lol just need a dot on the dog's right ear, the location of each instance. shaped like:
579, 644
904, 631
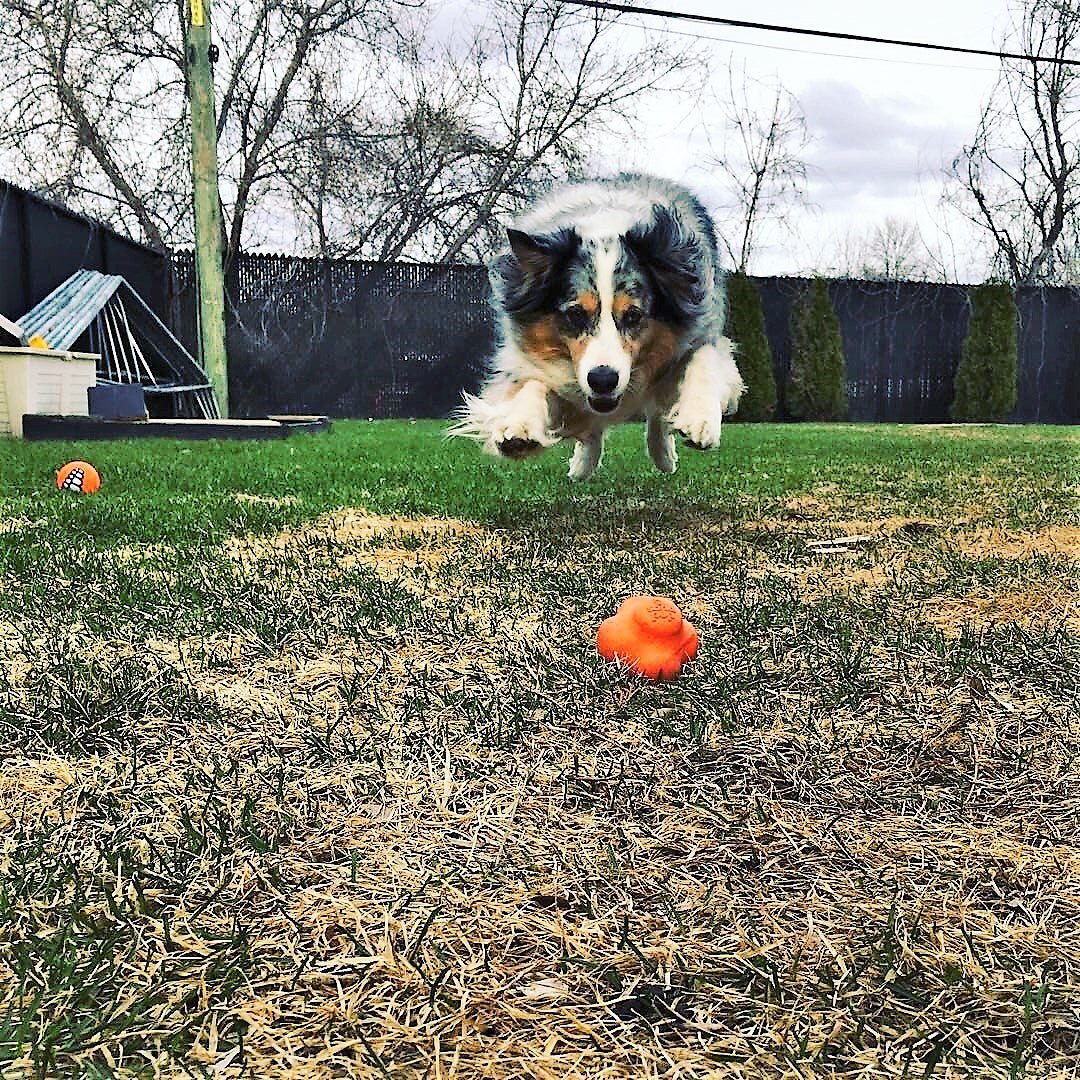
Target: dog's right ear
536, 255
525, 278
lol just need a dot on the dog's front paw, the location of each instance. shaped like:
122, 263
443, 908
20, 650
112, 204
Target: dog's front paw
518, 448
585, 459
663, 453
660, 444
517, 437
580, 470
513, 428
700, 428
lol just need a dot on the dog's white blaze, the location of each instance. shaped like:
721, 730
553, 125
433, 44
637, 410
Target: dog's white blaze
605, 347
606, 222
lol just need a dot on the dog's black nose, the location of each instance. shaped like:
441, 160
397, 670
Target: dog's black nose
603, 379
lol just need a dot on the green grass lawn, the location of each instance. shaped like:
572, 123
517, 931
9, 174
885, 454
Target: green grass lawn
310, 767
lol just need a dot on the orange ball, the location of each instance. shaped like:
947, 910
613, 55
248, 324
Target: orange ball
78, 476
650, 634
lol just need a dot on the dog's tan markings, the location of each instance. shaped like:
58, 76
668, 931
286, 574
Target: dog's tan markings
621, 303
577, 347
542, 341
590, 302
655, 350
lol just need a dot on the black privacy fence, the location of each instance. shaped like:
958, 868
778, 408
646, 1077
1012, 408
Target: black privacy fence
347, 338
367, 339
902, 343
42, 244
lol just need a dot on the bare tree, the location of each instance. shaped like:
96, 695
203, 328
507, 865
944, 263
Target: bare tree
338, 123
459, 138
101, 113
91, 103
761, 159
892, 250
1019, 179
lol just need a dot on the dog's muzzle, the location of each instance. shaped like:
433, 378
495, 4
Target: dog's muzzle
602, 381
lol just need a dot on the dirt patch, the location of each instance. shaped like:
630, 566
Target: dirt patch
813, 507
828, 527
356, 538
836, 545
883, 528
837, 576
1006, 544
345, 528
849, 580
1034, 609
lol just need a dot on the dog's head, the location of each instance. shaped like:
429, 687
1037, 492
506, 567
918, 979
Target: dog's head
605, 313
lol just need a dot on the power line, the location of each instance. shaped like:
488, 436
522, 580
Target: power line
815, 52
605, 5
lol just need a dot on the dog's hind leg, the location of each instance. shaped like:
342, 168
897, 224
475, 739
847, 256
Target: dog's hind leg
660, 443
586, 456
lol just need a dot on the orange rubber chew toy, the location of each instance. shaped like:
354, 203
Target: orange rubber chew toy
650, 634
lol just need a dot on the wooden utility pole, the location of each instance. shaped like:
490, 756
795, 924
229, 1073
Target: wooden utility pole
204, 175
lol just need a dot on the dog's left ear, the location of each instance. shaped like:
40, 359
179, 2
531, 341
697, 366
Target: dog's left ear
536, 255
672, 258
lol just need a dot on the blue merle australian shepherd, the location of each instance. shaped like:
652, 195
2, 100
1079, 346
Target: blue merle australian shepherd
610, 304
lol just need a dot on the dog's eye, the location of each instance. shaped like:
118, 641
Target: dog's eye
632, 318
576, 319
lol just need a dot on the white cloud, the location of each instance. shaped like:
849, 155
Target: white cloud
867, 148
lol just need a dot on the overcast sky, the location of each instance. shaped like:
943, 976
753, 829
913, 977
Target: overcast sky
883, 120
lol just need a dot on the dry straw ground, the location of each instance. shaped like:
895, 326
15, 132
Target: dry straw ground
414, 827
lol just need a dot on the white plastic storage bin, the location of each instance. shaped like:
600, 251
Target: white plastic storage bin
43, 381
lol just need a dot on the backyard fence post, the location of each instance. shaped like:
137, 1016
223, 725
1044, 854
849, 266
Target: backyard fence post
209, 276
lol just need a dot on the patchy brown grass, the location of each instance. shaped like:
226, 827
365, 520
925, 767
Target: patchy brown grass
593, 901
1039, 609
14, 525
1013, 544
463, 848
344, 528
356, 537
869, 556
264, 500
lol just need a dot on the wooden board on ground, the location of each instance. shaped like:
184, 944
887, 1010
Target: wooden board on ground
302, 422
39, 427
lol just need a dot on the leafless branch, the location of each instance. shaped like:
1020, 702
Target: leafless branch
1019, 178
760, 153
